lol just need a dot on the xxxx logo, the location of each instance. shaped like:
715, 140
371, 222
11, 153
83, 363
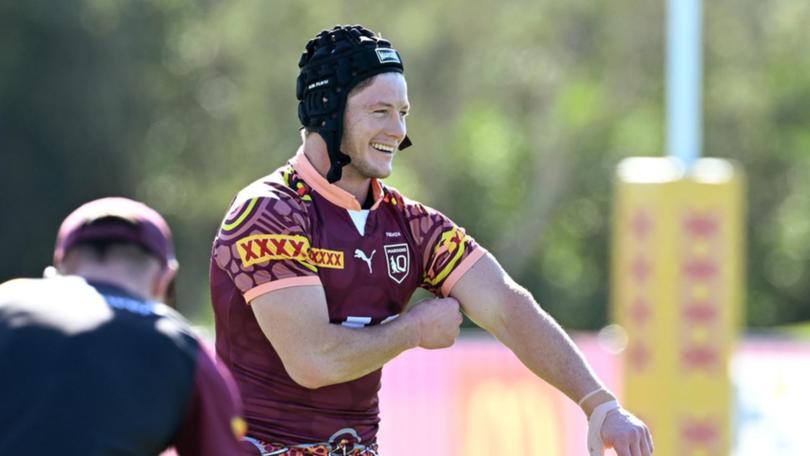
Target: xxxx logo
326, 258
264, 247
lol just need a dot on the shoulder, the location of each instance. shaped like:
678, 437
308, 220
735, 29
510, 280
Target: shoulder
14, 287
157, 327
15, 292
57, 289
279, 198
70, 302
282, 183
412, 210
431, 229
393, 198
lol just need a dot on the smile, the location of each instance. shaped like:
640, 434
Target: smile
383, 148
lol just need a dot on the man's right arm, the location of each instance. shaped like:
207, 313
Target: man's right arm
317, 353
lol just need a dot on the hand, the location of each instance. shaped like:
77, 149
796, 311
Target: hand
438, 321
626, 434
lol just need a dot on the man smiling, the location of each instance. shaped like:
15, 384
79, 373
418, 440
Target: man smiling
306, 312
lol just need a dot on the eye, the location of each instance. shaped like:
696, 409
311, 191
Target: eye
403, 113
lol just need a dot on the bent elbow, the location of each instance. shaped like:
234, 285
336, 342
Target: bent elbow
310, 377
308, 382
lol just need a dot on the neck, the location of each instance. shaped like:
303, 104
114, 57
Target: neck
357, 185
119, 275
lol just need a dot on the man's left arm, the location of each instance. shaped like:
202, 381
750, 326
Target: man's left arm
498, 304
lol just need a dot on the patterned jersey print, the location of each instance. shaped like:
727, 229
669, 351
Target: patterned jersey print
292, 228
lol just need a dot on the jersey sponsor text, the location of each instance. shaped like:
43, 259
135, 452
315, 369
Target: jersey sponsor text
325, 258
259, 248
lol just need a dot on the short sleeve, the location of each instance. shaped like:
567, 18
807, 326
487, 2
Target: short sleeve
447, 250
264, 245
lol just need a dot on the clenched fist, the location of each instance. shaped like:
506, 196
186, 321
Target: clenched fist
438, 321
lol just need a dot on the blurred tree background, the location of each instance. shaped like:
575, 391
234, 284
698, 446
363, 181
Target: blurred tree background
521, 111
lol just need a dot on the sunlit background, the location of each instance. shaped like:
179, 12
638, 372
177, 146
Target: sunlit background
521, 113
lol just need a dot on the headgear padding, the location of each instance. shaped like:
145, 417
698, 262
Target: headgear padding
334, 62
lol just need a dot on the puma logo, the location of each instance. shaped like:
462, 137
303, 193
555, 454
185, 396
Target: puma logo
362, 255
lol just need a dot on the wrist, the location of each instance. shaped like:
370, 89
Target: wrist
593, 400
596, 419
412, 329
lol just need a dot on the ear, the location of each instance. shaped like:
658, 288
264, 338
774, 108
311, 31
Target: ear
163, 282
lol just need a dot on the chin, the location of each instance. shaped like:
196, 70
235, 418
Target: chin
383, 173
376, 170
376, 175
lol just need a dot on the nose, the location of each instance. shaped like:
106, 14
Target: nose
396, 128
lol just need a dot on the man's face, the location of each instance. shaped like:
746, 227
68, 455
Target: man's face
374, 125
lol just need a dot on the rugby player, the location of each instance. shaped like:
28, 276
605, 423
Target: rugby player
314, 264
92, 364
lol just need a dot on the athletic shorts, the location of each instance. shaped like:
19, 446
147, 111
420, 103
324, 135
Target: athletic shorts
257, 447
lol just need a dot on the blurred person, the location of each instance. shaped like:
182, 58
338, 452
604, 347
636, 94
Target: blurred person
314, 264
91, 363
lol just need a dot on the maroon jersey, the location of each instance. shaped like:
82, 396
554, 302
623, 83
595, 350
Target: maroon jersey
293, 228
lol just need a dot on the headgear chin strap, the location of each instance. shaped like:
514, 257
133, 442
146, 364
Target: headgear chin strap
336, 61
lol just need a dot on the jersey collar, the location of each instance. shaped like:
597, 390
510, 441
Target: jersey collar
332, 192
107, 288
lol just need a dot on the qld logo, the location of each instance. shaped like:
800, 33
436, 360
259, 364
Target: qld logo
398, 258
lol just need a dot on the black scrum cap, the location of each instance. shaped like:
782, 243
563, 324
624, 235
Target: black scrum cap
334, 62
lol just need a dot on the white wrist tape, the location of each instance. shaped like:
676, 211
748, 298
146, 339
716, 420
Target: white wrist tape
595, 444
589, 395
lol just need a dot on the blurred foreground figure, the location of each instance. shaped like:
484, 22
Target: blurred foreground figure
314, 264
92, 364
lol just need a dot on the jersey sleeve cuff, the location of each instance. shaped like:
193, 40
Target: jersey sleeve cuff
264, 288
461, 269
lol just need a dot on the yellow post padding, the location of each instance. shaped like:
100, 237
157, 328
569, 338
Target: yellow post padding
677, 268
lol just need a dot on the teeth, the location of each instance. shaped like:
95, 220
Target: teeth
382, 147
